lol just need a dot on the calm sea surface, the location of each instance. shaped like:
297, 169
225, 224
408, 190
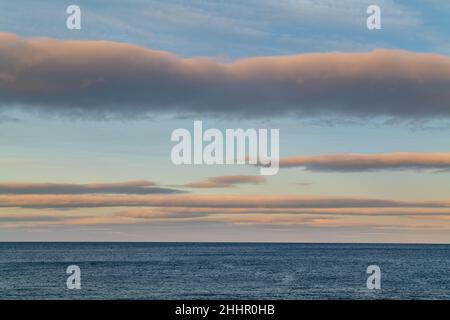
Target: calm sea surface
223, 271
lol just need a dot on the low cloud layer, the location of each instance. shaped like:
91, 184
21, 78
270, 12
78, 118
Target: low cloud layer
94, 79
370, 162
172, 211
130, 187
226, 181
208, 201
153, 212
397, 218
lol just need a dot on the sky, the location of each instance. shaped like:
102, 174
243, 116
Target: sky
86, 118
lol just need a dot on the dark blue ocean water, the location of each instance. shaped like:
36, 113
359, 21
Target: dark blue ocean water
223, 271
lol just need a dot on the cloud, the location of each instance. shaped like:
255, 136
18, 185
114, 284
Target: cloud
354, 162
15, 218
347, 13
92, 79
207, 201
157, 217
130, 187
194, 212
286, 220
97, 220
304, 184
160, 213
434, 217
270, 216
6, 119
226, 181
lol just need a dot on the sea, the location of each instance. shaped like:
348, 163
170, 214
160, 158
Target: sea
287, 271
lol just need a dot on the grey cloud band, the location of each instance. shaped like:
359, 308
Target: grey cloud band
91, 79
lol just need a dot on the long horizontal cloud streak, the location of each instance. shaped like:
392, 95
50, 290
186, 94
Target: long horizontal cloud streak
370, 162
144, 213
226, 181
202, 201
160, 216
130, 187
99, 78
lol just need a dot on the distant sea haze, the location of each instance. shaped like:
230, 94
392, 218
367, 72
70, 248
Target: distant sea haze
223, 271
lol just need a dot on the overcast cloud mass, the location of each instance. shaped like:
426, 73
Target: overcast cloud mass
93, 79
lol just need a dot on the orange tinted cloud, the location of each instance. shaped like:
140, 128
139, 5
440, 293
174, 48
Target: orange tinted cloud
97, 78
157, 212
226, 181
397, 217
202, 201
369, 162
